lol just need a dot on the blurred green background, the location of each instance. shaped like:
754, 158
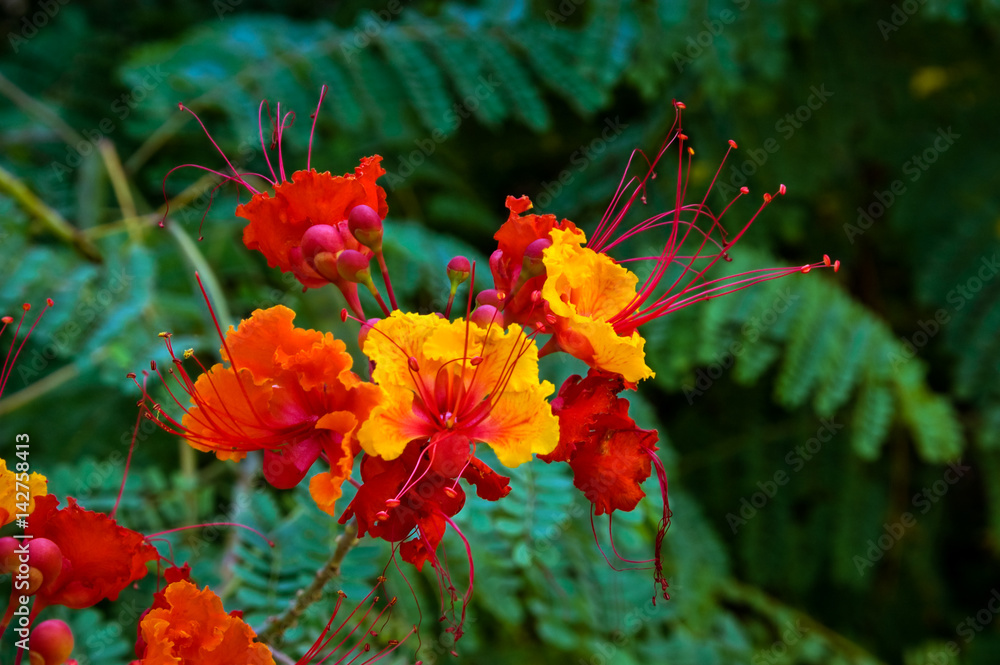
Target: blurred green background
816, 517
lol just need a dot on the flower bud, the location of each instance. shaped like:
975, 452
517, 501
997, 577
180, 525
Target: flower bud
532, 265
45, 560
366, 225
484, 315
488, 297
352, 265
51, 643
325, 263
321, 238
459, 269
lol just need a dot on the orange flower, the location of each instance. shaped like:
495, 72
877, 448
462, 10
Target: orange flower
278, 223
285, 390
10, 504
441, 379
304, 225
194, 629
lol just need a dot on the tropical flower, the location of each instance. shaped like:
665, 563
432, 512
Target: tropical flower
188, 626
13, 487
310, 218
99, 557
592, 304
609, 454
453, 383
282, 389
192, 628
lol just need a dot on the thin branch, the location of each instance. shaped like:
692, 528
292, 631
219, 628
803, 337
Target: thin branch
50, 218
275, 628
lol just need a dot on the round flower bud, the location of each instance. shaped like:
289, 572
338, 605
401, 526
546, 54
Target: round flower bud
321, 238
51, 643
459, 269
484, 315
488, 297
366, 225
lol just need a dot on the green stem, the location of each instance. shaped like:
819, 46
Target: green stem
50, 219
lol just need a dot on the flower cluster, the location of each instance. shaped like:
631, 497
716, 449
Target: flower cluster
442, 387
441, 397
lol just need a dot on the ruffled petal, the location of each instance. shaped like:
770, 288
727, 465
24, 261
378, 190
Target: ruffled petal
584, 290
103, 558
277, 223
194, 629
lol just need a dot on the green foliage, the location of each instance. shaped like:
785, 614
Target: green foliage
469, 103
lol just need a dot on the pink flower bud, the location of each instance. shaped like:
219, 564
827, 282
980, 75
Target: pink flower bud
484, 315
366, 225
51, 643
459, 269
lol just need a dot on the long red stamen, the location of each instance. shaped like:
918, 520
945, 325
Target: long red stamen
11, 357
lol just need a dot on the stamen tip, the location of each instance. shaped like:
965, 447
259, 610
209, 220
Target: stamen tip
836, 266
782, 189
732, 144
744, 190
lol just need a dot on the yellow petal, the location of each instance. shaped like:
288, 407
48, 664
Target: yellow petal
9, 500
584, 289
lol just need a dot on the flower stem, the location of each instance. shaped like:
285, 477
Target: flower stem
276, 627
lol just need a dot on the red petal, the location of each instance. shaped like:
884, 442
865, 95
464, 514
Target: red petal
612, 464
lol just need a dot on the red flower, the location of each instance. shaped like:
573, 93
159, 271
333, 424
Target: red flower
420, 493
100, 558
610, 455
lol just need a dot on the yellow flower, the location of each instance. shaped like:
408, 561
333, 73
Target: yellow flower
584, 289
10, 503
442, 378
